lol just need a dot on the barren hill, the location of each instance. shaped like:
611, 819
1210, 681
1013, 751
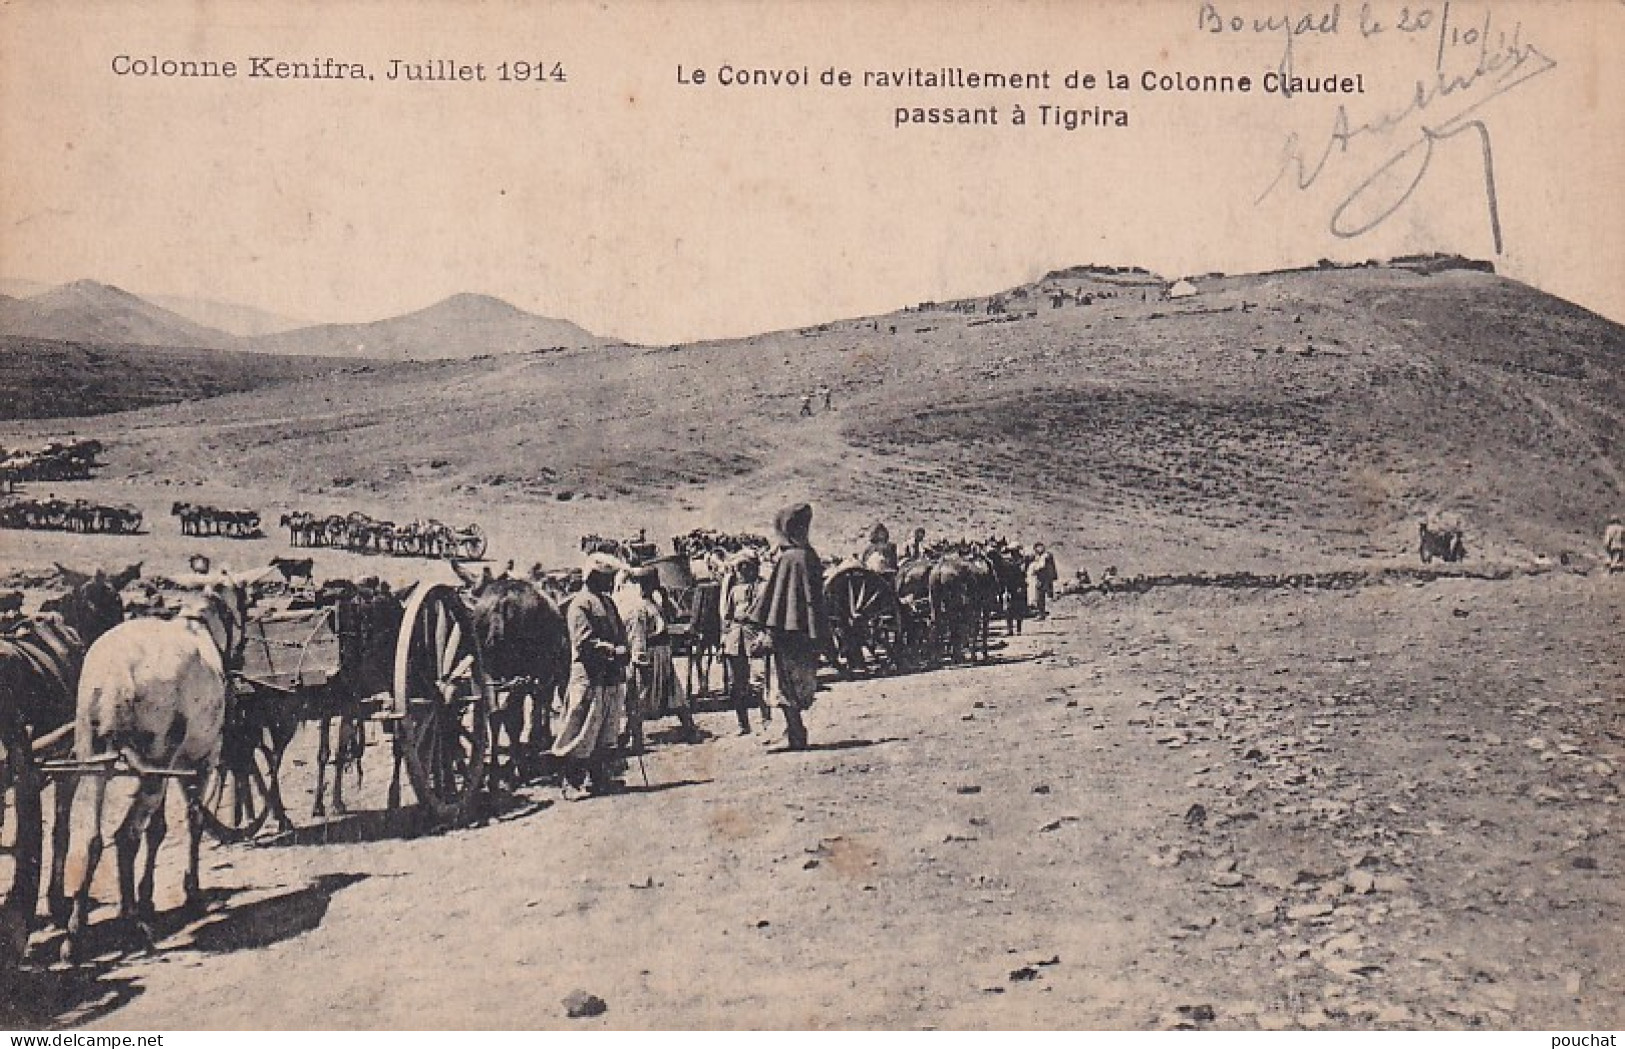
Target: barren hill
45, 379
1306, 417
88, 312
461, 326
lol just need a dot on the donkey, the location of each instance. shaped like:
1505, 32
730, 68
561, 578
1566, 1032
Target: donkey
153, 693
526, 647
40, 662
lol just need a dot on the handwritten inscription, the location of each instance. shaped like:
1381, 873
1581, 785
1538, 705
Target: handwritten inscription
1383, 157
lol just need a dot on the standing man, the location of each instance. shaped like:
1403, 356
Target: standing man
806, 405
881, 553
595, 699
825, 392
1613, 541
741, 641
916, 546
1041, 576
791, 608
653, 689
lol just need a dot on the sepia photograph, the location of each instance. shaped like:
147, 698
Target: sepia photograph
812, 515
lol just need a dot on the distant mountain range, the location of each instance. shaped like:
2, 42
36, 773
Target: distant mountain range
461, 326
89, 313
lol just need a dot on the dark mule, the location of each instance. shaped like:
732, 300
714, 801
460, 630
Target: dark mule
1010, 592
40, 661
526, 647
368, 621
959, 593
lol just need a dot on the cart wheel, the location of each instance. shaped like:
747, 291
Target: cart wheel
243, 790
26, 835
867, 619
441, 687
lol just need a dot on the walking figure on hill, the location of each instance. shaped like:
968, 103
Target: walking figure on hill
1613, 541
806, 404
791, 608
826, 393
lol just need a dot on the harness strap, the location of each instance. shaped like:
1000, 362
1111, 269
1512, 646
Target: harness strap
48, 650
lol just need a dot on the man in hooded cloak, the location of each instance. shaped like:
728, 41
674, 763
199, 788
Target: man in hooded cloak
790, 607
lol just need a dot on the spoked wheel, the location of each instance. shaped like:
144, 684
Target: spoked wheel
446, 702
866, 618
243, 790
22, 841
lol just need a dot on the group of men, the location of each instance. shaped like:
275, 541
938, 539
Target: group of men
621, 672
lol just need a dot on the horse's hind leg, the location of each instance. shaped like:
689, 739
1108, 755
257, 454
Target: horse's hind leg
193, 789
157, 827
79, 914
143, 813
56, 894
349, 752
17, 915
324, 754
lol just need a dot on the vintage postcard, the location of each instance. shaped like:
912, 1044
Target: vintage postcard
842, 515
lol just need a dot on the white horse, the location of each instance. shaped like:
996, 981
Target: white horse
153, 696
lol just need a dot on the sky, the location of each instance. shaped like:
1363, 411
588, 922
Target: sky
644, 205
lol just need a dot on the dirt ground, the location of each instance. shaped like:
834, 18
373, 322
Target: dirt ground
1392, 806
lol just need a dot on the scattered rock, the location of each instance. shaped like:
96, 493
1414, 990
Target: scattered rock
1228, 880
1305, 911
1362, 882
1394, 1014
1196, 815
580, 1004
1026, 972
968, 789
1584, 863
1200, 1013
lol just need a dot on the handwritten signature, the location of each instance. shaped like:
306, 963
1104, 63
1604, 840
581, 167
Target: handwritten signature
1444, 105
